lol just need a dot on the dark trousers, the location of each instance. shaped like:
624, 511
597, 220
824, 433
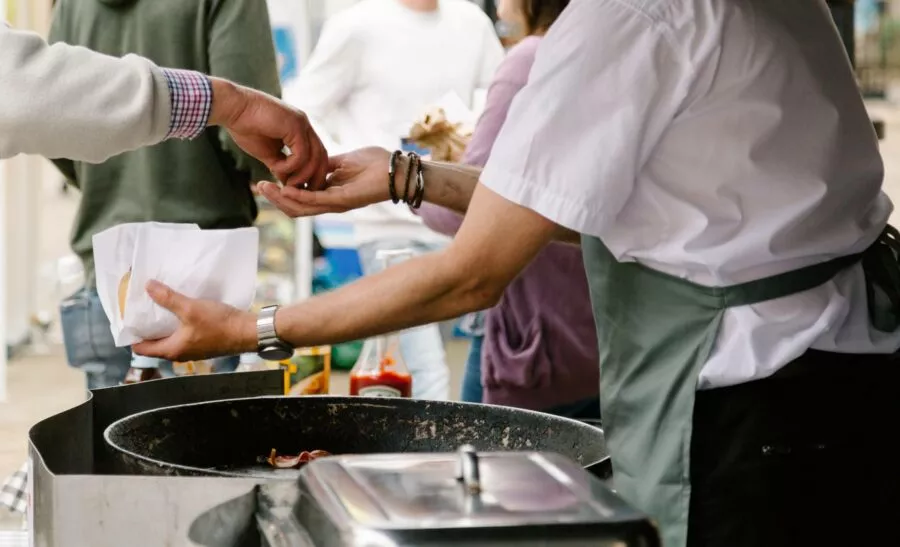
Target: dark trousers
810, 456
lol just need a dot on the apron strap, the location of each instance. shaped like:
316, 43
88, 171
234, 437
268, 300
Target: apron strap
880, 263
787, 283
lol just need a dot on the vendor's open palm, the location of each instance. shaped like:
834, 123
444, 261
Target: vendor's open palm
356, 179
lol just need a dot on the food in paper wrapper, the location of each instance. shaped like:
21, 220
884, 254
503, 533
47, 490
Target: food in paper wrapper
123, 292
446, 140
215, 265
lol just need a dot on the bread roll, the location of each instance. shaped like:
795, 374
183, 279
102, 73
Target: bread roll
123, 291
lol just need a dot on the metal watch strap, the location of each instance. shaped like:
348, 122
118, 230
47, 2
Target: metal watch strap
265, 328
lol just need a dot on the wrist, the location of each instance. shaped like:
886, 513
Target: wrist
406, 180
244, 331
228, 103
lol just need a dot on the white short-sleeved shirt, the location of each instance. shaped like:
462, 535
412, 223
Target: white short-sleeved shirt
720, 141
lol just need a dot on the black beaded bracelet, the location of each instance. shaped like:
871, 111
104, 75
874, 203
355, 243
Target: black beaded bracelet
392, 174
420, 187
413, 160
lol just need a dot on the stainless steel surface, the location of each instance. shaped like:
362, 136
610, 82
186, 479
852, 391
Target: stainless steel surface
469, 474
388, 500
392, 491
278, 524
228, 437
73, 501
526, 499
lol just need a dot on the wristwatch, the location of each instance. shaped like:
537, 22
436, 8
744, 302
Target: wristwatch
269, 346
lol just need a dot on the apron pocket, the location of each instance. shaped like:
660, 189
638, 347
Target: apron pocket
520, 358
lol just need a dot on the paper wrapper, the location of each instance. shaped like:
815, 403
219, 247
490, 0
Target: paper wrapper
446, 140
209, 264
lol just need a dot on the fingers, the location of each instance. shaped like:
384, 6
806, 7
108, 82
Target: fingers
307, 163
164, 296
319, 179
305, 168
161, 349
283, 166
297, 208
335, 162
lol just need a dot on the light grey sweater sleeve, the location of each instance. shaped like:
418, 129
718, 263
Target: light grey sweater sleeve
62, 101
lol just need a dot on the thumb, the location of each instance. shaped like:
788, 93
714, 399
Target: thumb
334, 162
166, 297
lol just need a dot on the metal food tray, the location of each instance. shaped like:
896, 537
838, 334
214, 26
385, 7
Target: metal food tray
75, 501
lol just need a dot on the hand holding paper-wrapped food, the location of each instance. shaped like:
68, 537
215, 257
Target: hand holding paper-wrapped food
447, 141
218, 265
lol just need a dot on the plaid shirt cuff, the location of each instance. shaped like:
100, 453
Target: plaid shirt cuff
191, 95
14, 492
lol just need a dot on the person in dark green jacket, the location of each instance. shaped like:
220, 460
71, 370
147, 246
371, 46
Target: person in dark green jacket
205, 181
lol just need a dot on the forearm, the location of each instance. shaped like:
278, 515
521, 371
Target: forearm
452, 185
449, 185
398, 298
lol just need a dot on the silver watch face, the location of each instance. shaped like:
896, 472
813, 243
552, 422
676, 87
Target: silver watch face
276, 352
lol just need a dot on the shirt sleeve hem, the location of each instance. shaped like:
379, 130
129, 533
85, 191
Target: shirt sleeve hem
577, 215
162, 114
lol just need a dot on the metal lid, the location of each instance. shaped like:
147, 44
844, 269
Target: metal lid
465, 490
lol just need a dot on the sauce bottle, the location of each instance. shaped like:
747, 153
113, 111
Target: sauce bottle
380, 370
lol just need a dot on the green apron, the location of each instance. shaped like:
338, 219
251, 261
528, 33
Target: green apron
655, 332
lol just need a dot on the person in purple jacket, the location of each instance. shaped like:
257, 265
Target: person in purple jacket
538, 346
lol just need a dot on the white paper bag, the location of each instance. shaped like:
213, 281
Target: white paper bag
209, 264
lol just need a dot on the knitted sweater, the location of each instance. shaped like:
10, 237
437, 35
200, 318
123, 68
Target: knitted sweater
62, 101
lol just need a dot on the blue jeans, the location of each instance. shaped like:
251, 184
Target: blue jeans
422, 347
472, 391
91, 348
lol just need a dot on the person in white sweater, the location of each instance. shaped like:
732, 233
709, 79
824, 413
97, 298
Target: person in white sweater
62, 101
377, 67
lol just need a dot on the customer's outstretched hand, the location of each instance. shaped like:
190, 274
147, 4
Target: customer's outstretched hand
264, 127
356, 179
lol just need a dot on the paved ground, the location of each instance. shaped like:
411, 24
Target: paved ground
41, 385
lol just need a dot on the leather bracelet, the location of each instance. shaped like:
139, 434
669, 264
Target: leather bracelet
392, 174
413, 160
420, 186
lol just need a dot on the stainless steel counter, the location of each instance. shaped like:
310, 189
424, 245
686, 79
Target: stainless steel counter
74, 502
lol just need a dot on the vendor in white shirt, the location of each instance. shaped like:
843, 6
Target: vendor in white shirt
718, 164
378, 66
